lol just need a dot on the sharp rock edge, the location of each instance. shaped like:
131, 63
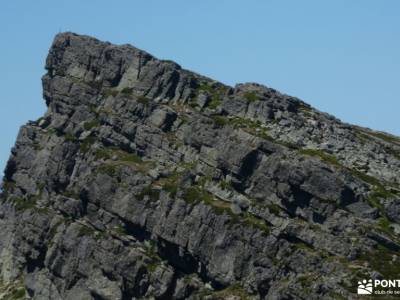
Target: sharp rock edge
145, 180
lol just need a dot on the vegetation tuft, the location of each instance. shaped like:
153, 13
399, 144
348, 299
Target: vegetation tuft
153, 194
86, 144
330, 159
216, 93
91, 124
250, 96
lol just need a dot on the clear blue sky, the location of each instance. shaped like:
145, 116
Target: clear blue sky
341, 56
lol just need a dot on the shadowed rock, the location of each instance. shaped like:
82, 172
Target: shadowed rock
145, 180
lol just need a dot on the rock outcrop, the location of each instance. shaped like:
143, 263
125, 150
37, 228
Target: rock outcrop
147, 181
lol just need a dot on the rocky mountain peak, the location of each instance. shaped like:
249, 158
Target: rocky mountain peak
144, 180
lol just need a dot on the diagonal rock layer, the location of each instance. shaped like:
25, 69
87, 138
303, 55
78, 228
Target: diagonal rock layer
147, 181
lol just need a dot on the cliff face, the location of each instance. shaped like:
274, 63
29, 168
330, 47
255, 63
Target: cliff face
144, 180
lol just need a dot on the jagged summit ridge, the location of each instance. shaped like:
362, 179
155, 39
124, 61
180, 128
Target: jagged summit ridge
145, 180
125, 68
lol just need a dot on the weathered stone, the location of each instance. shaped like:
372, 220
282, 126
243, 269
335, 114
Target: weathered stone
127, 189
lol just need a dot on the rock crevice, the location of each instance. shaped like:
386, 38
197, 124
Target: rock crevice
147, 181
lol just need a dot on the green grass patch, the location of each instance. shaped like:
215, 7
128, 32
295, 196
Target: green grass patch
216, 93
373, 200
168, 61
120, 230
22, 204
18, 294
379, 190
8, 187
302, 246
328, 158
395, 153
86, 144
129, 157
127, 91
102, 154
195, 194
381, 260
109, 169
214, 103
255, 222
12, 291
220, 120
384, 225
253, 127
70, 138
51, 131
170, 184
306, 280
203, 180
111, 92
264, 135
250, 96
385, 137
122, 158
238, 122
366, 178
274, 209
54, 229
28, 202
288, 145
226, 185
152, 266
305, 110
171, 187
71, 194
337, 296
234, 290
91, 124
151, 253
85, 231
95, 84
153, 194
188, 165
143, 100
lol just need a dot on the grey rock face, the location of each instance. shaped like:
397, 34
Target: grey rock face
146, 181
